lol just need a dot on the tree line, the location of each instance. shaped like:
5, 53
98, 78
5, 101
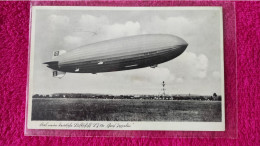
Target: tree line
214, 97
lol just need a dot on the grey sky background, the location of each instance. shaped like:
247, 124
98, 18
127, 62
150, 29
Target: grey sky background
196, 71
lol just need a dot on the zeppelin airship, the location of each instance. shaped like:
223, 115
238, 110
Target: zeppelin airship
119, 54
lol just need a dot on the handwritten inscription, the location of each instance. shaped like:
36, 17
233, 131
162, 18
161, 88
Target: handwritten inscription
83, 125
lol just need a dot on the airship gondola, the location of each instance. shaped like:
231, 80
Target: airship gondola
118, 54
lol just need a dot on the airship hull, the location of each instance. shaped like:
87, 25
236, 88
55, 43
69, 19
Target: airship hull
120, 54
124, 63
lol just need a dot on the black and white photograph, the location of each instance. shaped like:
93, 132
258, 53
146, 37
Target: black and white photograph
126, 68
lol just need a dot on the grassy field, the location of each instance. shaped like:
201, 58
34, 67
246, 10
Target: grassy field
71, 109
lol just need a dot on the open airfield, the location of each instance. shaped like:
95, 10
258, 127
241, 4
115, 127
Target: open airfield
82, 109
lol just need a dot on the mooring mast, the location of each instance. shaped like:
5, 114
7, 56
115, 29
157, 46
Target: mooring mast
163, 89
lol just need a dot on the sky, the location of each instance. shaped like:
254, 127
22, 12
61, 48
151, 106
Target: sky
196, 71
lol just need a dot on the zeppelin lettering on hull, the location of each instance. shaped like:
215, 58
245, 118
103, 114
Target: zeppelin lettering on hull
118, 54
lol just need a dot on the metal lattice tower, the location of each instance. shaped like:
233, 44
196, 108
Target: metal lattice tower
163, 89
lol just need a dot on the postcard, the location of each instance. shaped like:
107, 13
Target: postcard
126, 68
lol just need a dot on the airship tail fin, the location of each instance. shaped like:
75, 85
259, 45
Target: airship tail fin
58, 74
58, 53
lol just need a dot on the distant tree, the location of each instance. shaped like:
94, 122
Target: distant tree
215, 96
36, 96
219, 98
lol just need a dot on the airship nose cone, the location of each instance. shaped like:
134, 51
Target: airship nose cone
177, 41
184, 43
181, 44
182, 47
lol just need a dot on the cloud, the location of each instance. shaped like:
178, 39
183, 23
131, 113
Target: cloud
138, 77
171, 25
119, 30
106, 29
93, 23
149, 75
57, 22
179, 80
202, 34
92, 29
72, 40
189, 66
